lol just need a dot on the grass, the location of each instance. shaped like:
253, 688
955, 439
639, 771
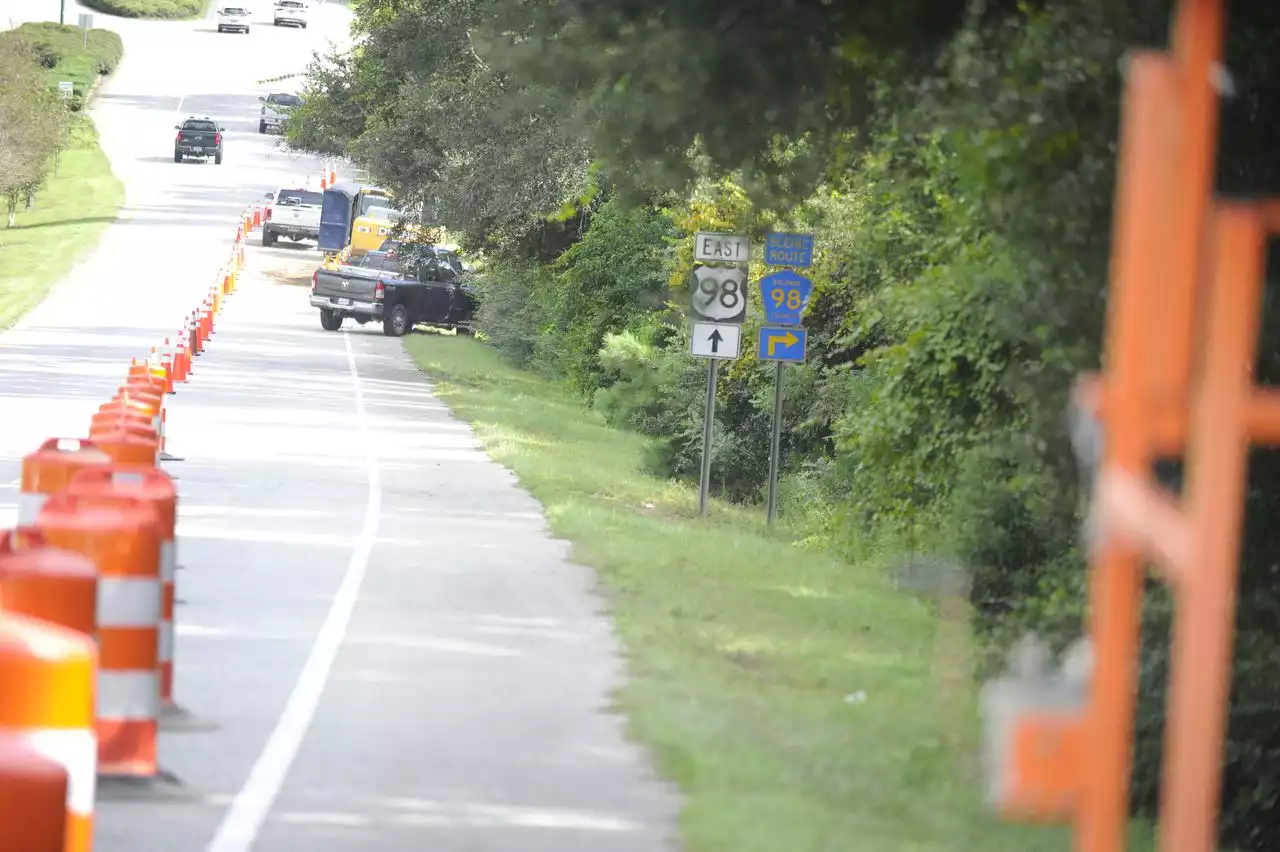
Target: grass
797, 700
62, 49
70, 215
164, 9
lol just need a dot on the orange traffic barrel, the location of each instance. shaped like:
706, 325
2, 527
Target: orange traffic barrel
48, 470
47, 700
136, 400
133, 421
121, 534
156, 488
143, 392
142, 371
33, 797
126, 446
140, 384
142, 404
58, 586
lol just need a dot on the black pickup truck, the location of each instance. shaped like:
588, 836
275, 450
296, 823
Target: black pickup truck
198, 137
400, 294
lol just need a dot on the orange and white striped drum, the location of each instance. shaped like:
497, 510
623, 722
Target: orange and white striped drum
40, 581
47, 700
48, 470
156, 488
121, 534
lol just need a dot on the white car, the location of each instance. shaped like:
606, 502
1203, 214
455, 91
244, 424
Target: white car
291, 12
233, 19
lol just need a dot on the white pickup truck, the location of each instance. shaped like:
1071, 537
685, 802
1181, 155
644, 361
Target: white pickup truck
292, 213
275, 108
291, 12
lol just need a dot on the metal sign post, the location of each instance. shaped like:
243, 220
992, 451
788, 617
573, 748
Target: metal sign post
785, 295
86, 24
719, 307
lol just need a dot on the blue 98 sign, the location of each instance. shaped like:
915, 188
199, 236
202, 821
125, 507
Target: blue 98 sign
785, 295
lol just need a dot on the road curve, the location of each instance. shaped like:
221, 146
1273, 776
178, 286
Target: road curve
384, 647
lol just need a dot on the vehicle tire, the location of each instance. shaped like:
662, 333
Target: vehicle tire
262, 127
268, 238
304, 25
397, 322
221, 30
330, 320
217, 159
362, 320
275, 23
177, 156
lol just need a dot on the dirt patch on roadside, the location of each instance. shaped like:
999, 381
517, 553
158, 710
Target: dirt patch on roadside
292, 277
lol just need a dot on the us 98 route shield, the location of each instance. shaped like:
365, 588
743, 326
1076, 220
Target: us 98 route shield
719, 294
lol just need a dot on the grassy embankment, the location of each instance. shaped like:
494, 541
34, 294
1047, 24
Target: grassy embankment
800, 702
74, 207
163, 9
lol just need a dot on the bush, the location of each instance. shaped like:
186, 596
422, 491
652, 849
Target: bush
61, 49
164, 9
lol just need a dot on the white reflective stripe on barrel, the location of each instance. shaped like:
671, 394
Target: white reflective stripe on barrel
75, 750
128, 695
128, 602
29, 506
168, 560
166, 641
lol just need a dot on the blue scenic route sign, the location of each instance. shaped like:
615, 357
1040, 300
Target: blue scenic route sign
794, 250
782, 344
785, 295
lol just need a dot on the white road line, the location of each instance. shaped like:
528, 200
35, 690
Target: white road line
243, 820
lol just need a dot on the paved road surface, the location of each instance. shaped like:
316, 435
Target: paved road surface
395, 654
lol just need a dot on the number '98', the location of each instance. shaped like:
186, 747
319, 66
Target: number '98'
727, 291
785, 294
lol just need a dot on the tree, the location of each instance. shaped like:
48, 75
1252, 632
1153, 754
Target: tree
33, 121
420, 103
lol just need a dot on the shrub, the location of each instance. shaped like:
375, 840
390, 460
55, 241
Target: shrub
164, 9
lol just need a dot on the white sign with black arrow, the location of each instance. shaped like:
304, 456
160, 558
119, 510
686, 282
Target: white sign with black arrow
715, 340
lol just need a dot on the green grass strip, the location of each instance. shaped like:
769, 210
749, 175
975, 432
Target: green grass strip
68, 219
797, 700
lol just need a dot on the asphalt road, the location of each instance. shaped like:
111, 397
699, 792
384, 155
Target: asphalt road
389, 650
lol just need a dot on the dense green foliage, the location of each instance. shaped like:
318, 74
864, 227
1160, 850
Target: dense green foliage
164, 9
958, 178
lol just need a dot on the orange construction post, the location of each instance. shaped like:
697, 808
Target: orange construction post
1186, 293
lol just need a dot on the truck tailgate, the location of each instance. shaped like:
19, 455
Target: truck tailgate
347, 283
